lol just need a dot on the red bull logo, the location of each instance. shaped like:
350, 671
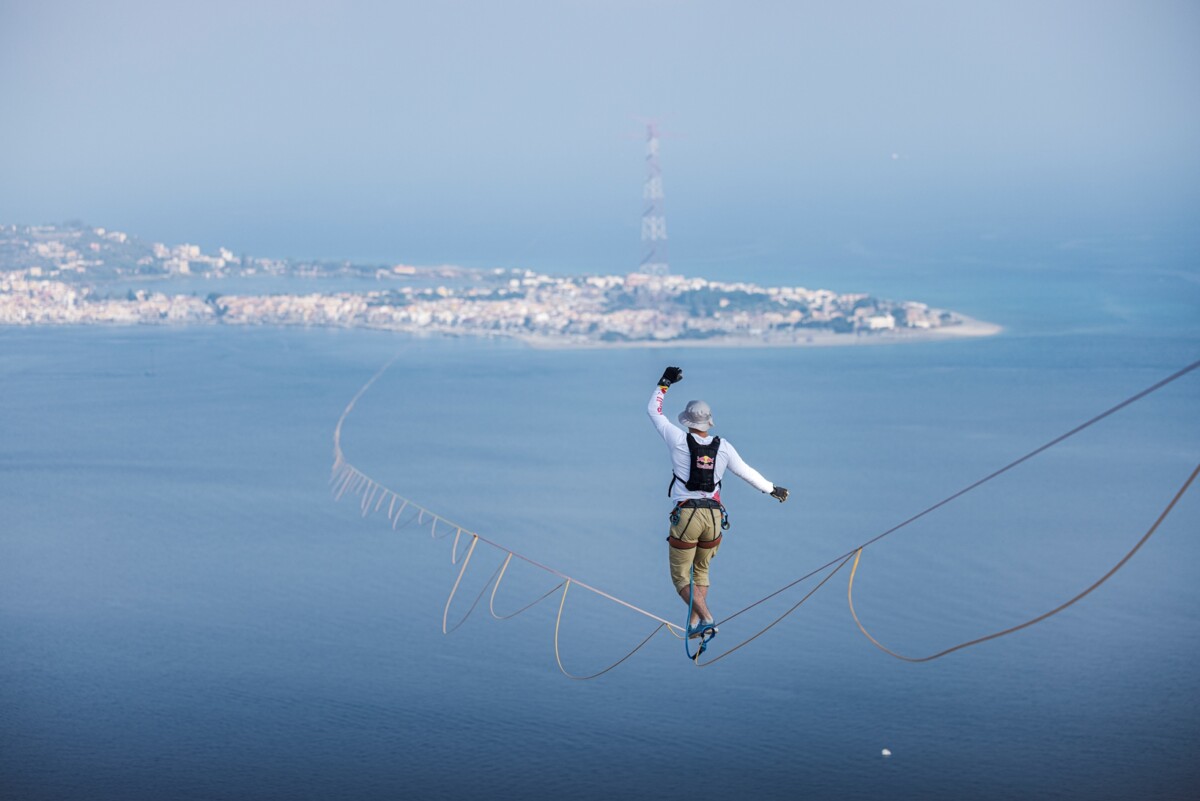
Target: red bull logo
705, 462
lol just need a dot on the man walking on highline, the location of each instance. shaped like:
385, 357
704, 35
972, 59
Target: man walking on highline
698, 462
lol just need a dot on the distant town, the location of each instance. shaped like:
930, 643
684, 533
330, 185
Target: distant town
74, 274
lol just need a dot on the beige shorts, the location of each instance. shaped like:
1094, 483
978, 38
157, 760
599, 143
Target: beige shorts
693, 543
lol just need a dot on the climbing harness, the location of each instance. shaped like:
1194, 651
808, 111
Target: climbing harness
345, 479
712, 504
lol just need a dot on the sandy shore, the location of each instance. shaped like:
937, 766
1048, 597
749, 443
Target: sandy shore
967, 329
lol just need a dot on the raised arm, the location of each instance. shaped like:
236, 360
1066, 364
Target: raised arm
670, 376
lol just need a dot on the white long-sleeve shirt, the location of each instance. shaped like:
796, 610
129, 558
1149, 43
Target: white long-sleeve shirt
677, 447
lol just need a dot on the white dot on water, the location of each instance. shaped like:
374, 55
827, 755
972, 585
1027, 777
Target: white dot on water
886, 752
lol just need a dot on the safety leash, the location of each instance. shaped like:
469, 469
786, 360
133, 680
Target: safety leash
706, 635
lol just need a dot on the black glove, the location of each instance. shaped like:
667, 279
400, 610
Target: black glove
670, 376
779, 493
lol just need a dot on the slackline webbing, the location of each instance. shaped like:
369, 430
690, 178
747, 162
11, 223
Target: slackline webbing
348, 479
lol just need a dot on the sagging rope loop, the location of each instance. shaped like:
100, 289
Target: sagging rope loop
1004, 632
346, 478
777, 620
558, 656
496, 588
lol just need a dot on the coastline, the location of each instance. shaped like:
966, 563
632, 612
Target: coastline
969, 328
66, 277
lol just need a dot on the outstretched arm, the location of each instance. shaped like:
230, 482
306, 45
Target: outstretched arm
752, 477
745, 472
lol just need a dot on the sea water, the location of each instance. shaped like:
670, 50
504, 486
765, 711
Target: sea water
186, 613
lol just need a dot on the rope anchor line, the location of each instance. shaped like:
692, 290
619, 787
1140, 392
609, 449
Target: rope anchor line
345, 478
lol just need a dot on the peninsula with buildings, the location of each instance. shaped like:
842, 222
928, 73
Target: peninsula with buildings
74, 274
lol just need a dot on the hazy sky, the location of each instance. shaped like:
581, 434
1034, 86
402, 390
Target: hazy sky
508, 133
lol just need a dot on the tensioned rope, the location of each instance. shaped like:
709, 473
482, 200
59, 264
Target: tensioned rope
346, 478
1031, 621
842, 559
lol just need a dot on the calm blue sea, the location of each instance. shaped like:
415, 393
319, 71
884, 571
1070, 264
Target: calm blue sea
185, 613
